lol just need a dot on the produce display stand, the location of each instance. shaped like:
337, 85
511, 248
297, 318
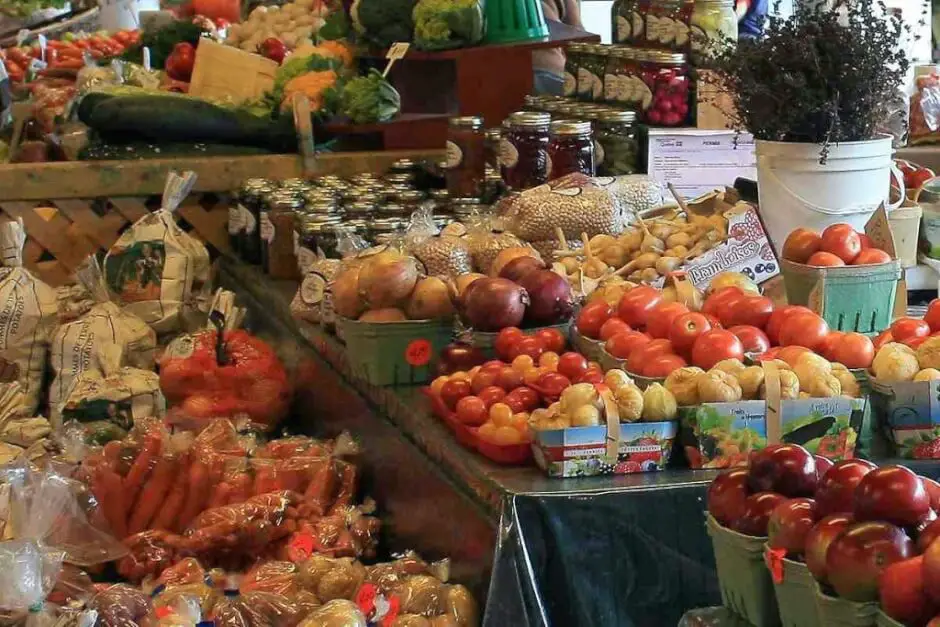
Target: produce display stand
624, 550
74, 209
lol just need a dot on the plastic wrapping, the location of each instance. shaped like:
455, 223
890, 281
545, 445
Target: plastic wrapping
259, 609
120, 605
925, 110
276, 577
149, 553
27, 575
338, 613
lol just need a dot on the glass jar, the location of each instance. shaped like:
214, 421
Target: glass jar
466, 156
360, 209
382, 230
403, 165
464, 208
254, 204
318, 238
393, 209
615, 143
591, 73
714, 27
667, 24
627, 22
571, 148
277, 234
573, 56
617, 65
238, 212
665, 88
523, 151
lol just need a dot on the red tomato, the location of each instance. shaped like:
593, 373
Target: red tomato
453, 391
803, 329
752, 339
471, 410
800, 245
644, 354
484, 379
635, 306
905, 328
592, 376
685, 330
842, 241
528, 345
492, 395
769, 355
791, 354
660, 320
714, 346
865, 241
552, 339
572, 364
776, 321
663, 365
824, 259
914, 342
754, 311
854, 350
218, 9
612, 327
506, 339
871, 256
932, 317
509, 379
529, 398
882, 338
622, 344
592, 317
715, 301
827, 347
712, 320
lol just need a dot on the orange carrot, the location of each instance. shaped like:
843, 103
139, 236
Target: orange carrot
142, 466
169, 513
197, 494
153, 495
241, 488
266, 480
110, 495
220, 495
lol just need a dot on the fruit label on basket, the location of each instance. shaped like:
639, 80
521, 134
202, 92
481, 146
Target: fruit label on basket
418, 353
267, 228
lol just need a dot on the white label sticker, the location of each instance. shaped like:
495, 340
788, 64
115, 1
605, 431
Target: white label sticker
306, 258
267, 228
508, 155
571, 85
250, 224
236, 220
453, 155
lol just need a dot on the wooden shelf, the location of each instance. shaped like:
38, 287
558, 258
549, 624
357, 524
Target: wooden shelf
409, 131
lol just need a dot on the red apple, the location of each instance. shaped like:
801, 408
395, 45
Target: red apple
785, 468
932, 571
856, 559
823, 464
927, 535
756, 515
835, 492
933, 492
902, 594
726, 496
893, 494
818, 540
789, 524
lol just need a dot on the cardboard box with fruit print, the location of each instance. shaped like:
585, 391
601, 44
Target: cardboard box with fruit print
909, 414
721, 435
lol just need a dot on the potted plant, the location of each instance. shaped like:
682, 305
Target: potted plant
814, 92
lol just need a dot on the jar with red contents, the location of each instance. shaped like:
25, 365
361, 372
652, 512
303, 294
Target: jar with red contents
668, 24
664, 88
571, 148
466, 156
523, 150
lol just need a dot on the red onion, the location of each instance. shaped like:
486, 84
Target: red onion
519, 267
494, 304
550, 299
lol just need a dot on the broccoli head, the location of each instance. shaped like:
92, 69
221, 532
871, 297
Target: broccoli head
447, 23
383, 22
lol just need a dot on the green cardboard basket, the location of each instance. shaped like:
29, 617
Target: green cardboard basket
853, 298
796, 596
395, 353
746, 587
883, 620
834, 612
592, 349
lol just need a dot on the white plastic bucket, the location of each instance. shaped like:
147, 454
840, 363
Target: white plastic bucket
119, 14
796, 190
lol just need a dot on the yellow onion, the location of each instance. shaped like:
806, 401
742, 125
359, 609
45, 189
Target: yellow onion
459, 285
345, 288
430, 300
387, 279
388, 314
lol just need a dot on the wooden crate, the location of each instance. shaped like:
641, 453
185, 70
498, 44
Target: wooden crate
72, 210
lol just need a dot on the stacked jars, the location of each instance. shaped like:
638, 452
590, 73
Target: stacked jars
665, 88
714, 28
466, 157
571, 149
523, 150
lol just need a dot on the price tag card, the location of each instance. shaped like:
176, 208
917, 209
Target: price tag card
699, 161
397, 50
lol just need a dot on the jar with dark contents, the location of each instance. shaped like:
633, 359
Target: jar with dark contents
237, 209
383, 230
465, 208
318, 238
440, 198
591, 73
665, 88
494, 137
571, 148
258, 205
466, 156
277, 234
668, 24
574, 56
523, 151
615, 143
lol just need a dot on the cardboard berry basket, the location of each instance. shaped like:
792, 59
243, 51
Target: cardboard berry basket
837, 612
743, 578
486, 341
883, 620
908, 413
609, 362
592, 349
395, 353
794, 588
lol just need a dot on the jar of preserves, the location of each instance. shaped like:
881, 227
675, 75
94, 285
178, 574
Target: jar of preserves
714, 28
573, 56
254, 204
277, 234
395, 209
239, 212
466, 156
403, 165
591, 73
493, 138
382, 230
360, 209
617, 62
440, 198
615, 143
667, 24
625, 14
665, 89
318, 238
523, 151
465, 208
571, 148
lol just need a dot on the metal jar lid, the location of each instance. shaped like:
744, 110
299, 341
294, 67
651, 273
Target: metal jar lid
571, 127
321, 193
617, 117
317, 223
361, 208
662, 56
529, 120
387, 224
577, 47
403, 165
494, 134
411, 197
322, 207
294, 184
439, 195
599, 49
358, 225
392, 209
466, 121
286, 200
400, 178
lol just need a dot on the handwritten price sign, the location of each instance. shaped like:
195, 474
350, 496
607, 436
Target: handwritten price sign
418, 353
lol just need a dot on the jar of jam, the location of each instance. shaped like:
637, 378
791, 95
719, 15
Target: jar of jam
392, 209
494, 137
277, 234
615, 143
237, 211
440, 198
523, 151
665, 88
574, 54
714, 28
318, 239
465, 208
621, 20
466, 156
667, 24
399, 178
254, 204
571, 148
591, 73
360, 209
382, 230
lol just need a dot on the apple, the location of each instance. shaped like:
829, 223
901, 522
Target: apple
835, 492
789, 524
818, 540
933, 492
927, 534
893, 494
756, 515
785, 468
726, 496
902, 594
932, 571
823, 464
857, 557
